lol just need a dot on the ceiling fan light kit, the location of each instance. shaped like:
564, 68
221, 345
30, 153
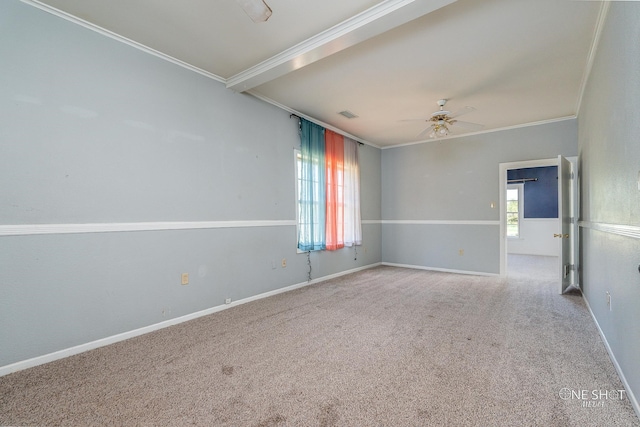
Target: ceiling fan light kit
258, 10
439, 130
442, 120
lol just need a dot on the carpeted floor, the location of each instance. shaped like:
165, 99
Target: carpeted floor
382, 347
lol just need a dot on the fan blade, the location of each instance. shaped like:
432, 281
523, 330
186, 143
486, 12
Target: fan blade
465, 110
467, 125
424, 132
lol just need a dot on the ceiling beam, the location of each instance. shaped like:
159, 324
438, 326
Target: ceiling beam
370, 23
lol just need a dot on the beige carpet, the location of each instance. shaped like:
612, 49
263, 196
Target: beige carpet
383, 347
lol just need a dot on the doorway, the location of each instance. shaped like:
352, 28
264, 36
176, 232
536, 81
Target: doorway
542, 233
532, 211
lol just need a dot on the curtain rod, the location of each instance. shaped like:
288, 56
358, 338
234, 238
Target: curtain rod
292, 115
510, 181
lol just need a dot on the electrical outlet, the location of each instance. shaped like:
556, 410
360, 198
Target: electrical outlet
609, 300
273, 265
461, 252
227, 301
284, 263
185, 279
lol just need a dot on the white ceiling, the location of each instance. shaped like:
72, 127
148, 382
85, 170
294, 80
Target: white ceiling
516, 61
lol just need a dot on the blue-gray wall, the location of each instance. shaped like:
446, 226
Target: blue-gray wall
437, 196
96, 131
609, 161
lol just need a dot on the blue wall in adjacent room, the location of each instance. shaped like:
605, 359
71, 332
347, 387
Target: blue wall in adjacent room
541, 196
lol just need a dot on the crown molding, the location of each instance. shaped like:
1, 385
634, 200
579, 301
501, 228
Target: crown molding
309, 118
112, 35
365, 18
374, 21
146, 49
524, 125
602, 16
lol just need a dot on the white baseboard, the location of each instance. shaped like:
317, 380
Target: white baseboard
444, 270
60, 354
630, 395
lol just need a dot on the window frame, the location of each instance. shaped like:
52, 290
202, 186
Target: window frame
520, 189
297, 160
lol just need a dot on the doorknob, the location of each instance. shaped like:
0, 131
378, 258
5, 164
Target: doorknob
566, 236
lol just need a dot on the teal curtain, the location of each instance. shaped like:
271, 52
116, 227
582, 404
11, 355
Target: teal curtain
311, 223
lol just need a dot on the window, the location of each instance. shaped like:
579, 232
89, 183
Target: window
311, 226
334, 145
304, 227
311, 188
352, 220
327, 190
514, 209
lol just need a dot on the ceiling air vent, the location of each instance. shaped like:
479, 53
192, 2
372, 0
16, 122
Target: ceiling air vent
348, 114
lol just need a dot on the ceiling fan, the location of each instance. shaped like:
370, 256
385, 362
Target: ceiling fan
258, 10
442, 121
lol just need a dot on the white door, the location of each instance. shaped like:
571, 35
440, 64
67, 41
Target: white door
564, 222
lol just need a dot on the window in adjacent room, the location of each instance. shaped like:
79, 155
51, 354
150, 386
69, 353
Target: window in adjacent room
514, 209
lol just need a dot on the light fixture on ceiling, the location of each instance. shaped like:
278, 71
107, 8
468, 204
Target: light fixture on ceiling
258, 10
442, 121
439, 129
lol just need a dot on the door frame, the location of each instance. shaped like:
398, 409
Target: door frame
503, 168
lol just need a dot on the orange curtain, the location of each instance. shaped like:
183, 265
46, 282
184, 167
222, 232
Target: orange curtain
334, 161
